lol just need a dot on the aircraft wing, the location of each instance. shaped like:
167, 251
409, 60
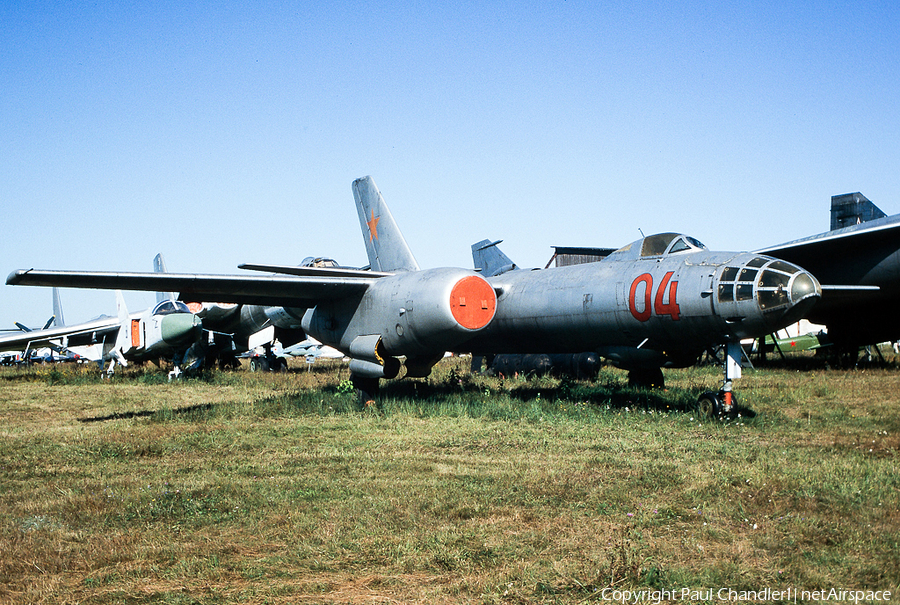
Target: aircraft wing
87, 333
818, 252
315, 271
296, 291
858, 269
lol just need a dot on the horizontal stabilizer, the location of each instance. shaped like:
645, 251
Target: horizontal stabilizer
314, 271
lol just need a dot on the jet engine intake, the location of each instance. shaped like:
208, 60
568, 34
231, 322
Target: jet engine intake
418, 315
473, 302
370, 360
368, 369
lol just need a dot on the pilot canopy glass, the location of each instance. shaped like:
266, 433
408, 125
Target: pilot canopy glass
771, 280
167, 307
669, 243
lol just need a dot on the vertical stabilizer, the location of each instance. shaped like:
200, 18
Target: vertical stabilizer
852, 209
124, 336
121, 309
385, 245
490, 260
57, 310
159, 266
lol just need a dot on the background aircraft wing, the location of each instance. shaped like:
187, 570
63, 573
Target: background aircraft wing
261, 290
818, 253
859, 269
87, 333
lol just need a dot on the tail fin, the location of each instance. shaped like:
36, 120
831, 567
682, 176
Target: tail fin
121, 309
490, 260
57, 309
385, 245
159, 266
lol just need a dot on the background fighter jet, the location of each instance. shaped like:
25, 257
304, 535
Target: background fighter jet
167, 330
57, 352
239, 328
656, 302
859, 269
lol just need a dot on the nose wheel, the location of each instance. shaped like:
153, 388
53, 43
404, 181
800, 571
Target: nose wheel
714, 405
718, 404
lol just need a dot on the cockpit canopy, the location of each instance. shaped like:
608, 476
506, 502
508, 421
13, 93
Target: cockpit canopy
320, 261
167, 307
661, 244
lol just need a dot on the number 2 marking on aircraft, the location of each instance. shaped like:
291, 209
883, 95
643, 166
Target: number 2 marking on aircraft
669, 308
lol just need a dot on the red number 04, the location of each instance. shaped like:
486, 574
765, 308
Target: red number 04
659, 307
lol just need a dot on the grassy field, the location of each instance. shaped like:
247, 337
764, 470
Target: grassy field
240, 488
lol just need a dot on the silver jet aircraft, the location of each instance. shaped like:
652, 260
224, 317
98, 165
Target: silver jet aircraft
655, 303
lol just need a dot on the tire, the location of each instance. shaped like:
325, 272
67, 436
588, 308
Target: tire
709, 406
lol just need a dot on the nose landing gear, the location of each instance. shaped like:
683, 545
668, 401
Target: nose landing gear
718, 404
715, 405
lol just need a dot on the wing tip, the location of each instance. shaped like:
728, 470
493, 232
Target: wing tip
15, 278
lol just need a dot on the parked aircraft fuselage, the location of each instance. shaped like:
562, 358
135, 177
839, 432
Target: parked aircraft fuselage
639, 311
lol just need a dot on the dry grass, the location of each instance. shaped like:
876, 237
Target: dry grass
276, 489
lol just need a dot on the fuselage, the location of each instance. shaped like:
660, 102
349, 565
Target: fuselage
658, 302
678, 304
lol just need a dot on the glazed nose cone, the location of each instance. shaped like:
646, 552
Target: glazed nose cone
805, 291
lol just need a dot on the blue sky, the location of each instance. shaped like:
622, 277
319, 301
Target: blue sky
219, 133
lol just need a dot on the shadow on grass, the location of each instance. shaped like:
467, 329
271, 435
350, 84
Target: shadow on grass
610, 395
459, 392
193, 409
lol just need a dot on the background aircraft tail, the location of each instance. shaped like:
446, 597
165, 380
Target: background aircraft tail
123, 337
490, 260
57, 309
159, 266
385, 245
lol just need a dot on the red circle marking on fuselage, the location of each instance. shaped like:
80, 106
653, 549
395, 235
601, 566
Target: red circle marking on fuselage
473, 302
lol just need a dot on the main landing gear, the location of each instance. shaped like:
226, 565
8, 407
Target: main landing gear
366, 389
721, 403
268, 361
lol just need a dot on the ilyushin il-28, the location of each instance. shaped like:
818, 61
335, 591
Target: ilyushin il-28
658, 302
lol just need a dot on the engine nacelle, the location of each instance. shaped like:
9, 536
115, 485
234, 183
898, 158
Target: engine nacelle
418, 315
257, 317
213, 313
